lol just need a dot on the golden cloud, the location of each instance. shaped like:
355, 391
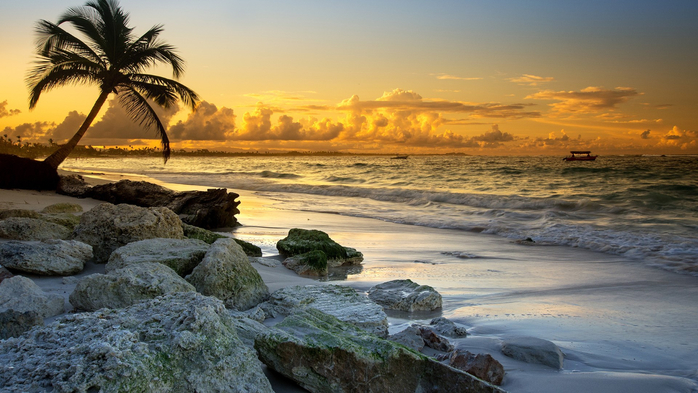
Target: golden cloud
588, 100
452, 77
4, 112
531, 80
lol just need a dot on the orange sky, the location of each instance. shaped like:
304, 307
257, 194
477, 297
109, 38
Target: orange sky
394, 76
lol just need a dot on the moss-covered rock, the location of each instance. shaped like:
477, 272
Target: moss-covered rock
18, 213
324, 354
299, 241
67, 220
312, 263
63, 208
194, 232
250, 249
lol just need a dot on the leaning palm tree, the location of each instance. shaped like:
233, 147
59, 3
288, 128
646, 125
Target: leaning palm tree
112, 58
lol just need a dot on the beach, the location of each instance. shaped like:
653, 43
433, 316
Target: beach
622, 326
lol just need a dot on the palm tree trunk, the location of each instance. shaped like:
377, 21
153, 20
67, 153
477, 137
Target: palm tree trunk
55, 159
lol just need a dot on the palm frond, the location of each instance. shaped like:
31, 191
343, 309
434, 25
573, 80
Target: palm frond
148, 54
187, 95
52, 37
138, 108
58, 77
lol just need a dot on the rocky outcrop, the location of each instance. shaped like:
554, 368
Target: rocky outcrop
18, 213
62, 208
339, 301
21, 294
434, 341
181, 255
323, 354
533, 350
47, 258
249, 249
67, 220
447, 327
226, 273
405, 295
410, 337
213, 208
312, 263
205, 235
107, 227
301, 241
24, 228
4, 273
25, 173
15, 323
483, 366
178, 343
129, 285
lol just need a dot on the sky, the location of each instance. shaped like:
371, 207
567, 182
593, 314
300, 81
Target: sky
477, 77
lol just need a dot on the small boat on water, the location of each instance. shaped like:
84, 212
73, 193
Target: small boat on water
399, 157
579, 155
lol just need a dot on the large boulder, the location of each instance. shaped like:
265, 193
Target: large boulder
25, 173
300, 241
107, 227
22, 294
18, 213
182, 342
24, 228
138, 193
339, 301
192, 232
129, 285
312, 263
47, 258
483, 366
73, 185
405, 295
181, 255
226, 273
15, 323
411, 337
324, 354
533, 350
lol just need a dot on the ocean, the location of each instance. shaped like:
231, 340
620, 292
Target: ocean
643, 208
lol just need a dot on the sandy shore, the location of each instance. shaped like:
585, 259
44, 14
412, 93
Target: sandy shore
615, 337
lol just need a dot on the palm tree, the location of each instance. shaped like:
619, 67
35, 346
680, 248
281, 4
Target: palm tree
112, 58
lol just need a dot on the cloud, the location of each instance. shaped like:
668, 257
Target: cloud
116, 123
29, 131
588, 100
452, 77
645, 134
532, 80
207, 122
4, 112
257, 126
67, 128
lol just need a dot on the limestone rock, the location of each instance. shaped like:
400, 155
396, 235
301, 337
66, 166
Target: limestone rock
301, 241
312, 263
4, 273
124, 287
73, 185
67, 220
178, 343
250, 249
62, 208
226, 273
483, 366
533, 350
181, 255
447, 327
15, 323
339, 301
48, 257
324, 354
21, 294
108, 227
405, 295
192, 232
137, 193
18, 213
24, 228
410, 337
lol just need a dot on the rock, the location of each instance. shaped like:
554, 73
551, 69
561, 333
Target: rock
405, 295
67, 220
182, 342
127, 286
107, 227
446, 327
181, 255
226, 273
312, 263
268, 262
434, 341
18, 213
410, 337
15, 323
256, 314
533, 350
248, 329
483, 366
323, 354
21, 228
21, 294
138, 193
73, 185
301, 241
337, 300
250, 249
62, 208
47, 258
27, 174
213, 208
205, 235
4, 273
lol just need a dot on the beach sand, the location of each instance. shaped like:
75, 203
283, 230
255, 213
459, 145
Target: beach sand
623, 327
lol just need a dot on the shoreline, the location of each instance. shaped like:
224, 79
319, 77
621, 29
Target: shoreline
490, 295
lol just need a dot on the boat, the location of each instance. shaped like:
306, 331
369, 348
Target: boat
579, 155
399, 157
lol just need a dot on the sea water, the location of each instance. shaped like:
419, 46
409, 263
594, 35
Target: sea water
644, 208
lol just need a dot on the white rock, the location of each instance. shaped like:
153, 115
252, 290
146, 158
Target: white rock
405, 295
48, 257
21, 294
